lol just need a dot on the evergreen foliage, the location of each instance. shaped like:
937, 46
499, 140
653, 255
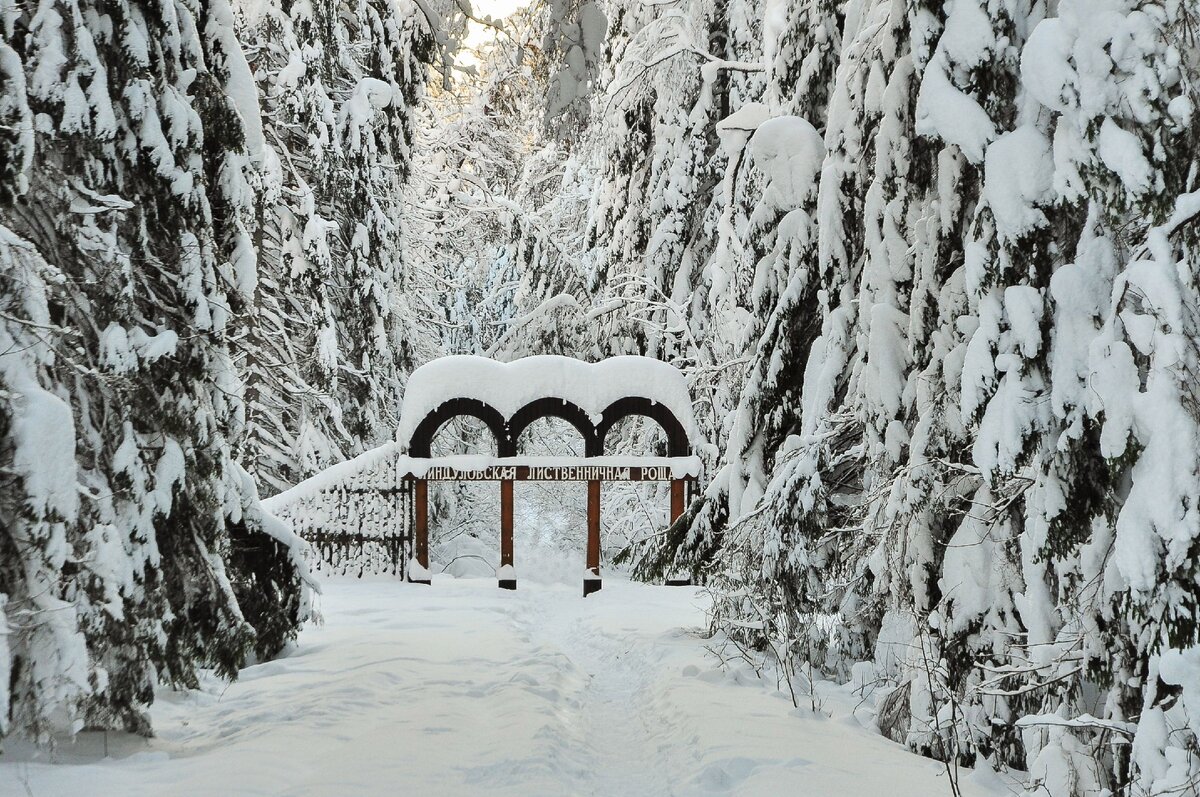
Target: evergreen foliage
171, 311
930, 268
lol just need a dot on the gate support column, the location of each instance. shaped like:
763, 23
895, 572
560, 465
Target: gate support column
591, 579
677, 505
421, 531
677, 486
508, 577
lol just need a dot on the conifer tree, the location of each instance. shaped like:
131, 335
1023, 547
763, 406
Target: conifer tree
129, 529
331, 339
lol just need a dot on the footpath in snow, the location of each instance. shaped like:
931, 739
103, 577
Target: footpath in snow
464, 689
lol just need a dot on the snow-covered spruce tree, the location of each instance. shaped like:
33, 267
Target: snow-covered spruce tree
1035, 399
336, 322
1119, 87
766, 587
988, 354
127, 532
954, 508
654, 216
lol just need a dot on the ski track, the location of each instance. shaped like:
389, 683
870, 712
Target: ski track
463, 689
622, 746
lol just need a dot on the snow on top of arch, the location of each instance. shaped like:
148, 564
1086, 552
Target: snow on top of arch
509, 386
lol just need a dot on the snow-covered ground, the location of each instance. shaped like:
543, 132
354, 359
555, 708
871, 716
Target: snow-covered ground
464, 689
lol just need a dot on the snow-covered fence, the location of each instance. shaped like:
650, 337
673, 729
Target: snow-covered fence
356, 516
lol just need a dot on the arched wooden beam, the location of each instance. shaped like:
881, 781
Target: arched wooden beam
421, 442
550, 407
677, 440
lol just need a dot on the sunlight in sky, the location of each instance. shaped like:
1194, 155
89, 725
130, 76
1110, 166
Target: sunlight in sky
497, 9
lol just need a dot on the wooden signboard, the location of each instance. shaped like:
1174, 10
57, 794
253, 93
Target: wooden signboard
551, 473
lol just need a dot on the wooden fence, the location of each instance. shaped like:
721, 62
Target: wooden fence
357, 517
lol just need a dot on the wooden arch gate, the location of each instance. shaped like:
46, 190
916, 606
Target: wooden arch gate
661, 399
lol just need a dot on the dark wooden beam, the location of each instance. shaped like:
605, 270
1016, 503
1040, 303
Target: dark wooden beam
506, 531
592, 582
421, 529
677, 504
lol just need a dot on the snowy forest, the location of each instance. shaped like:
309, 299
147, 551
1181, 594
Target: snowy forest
932, 270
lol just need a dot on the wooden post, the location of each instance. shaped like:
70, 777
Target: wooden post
677, 507
677, 486
591, 580
421, 530
508, 578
